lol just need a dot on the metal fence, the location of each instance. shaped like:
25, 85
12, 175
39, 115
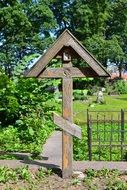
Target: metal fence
107, 135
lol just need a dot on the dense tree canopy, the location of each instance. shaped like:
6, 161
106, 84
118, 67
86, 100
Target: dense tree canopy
101, 25
26, 28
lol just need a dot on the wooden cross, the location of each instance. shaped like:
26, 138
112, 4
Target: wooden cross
66, 47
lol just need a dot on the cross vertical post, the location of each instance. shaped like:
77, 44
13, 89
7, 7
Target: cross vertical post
67, 139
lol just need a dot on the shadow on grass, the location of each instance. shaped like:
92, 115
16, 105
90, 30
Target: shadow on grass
124, 99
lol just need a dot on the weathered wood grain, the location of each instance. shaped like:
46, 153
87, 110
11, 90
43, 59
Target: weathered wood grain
67, 142
68, 71
49, 55
66, 39
87, 57
67, 126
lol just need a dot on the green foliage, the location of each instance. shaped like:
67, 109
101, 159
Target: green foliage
116, 184
117, 86
25, 29
121, 86
9, 139
21, 173
76, 182
104, 179
25, 109
92, 90
80, 94
98, 26
24, 178
7, 174
42, 173
81, 146
23, 64
104, 172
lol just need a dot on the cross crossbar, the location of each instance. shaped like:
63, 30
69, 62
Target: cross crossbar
67, 126
68, 72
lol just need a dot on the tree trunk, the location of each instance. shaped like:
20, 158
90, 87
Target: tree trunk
120, 70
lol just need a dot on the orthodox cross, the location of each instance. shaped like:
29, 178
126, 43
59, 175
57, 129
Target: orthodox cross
67, 47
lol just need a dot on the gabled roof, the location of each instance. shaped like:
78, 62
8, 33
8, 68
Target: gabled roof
64, 40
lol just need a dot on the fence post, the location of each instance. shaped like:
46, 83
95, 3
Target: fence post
89, 132
122, 125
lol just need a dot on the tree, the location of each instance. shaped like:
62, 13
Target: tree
86, 19
24, 29
117, 30
101, 25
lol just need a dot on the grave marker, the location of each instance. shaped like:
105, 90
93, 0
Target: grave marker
66, 47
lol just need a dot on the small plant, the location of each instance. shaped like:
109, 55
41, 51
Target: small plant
91, 173
7, 174
116, 184
24, 173
76, 182
89, 184
41, 173
49, 171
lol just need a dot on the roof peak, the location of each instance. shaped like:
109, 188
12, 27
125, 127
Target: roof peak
67, 39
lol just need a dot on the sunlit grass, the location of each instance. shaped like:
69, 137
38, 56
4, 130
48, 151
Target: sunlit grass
112, 103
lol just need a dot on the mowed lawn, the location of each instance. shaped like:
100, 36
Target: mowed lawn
109, 111
112, 103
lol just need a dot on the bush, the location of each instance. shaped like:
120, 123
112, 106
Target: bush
25, 114
116, 87
92, 90
80, 94
121, 86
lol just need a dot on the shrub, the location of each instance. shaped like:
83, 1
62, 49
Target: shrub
92, 90
25, 114
116, 87
80, 94
121, 86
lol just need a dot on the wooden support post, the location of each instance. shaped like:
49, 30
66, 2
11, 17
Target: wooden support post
67, 141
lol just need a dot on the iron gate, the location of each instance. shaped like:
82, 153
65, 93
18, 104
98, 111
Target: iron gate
107, 135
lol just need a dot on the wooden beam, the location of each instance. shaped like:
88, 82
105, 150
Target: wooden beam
48, 55
87, 57
67, 126
66, 39
68, 72
67, 140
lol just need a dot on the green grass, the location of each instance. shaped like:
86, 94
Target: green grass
112, 103
101, 144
